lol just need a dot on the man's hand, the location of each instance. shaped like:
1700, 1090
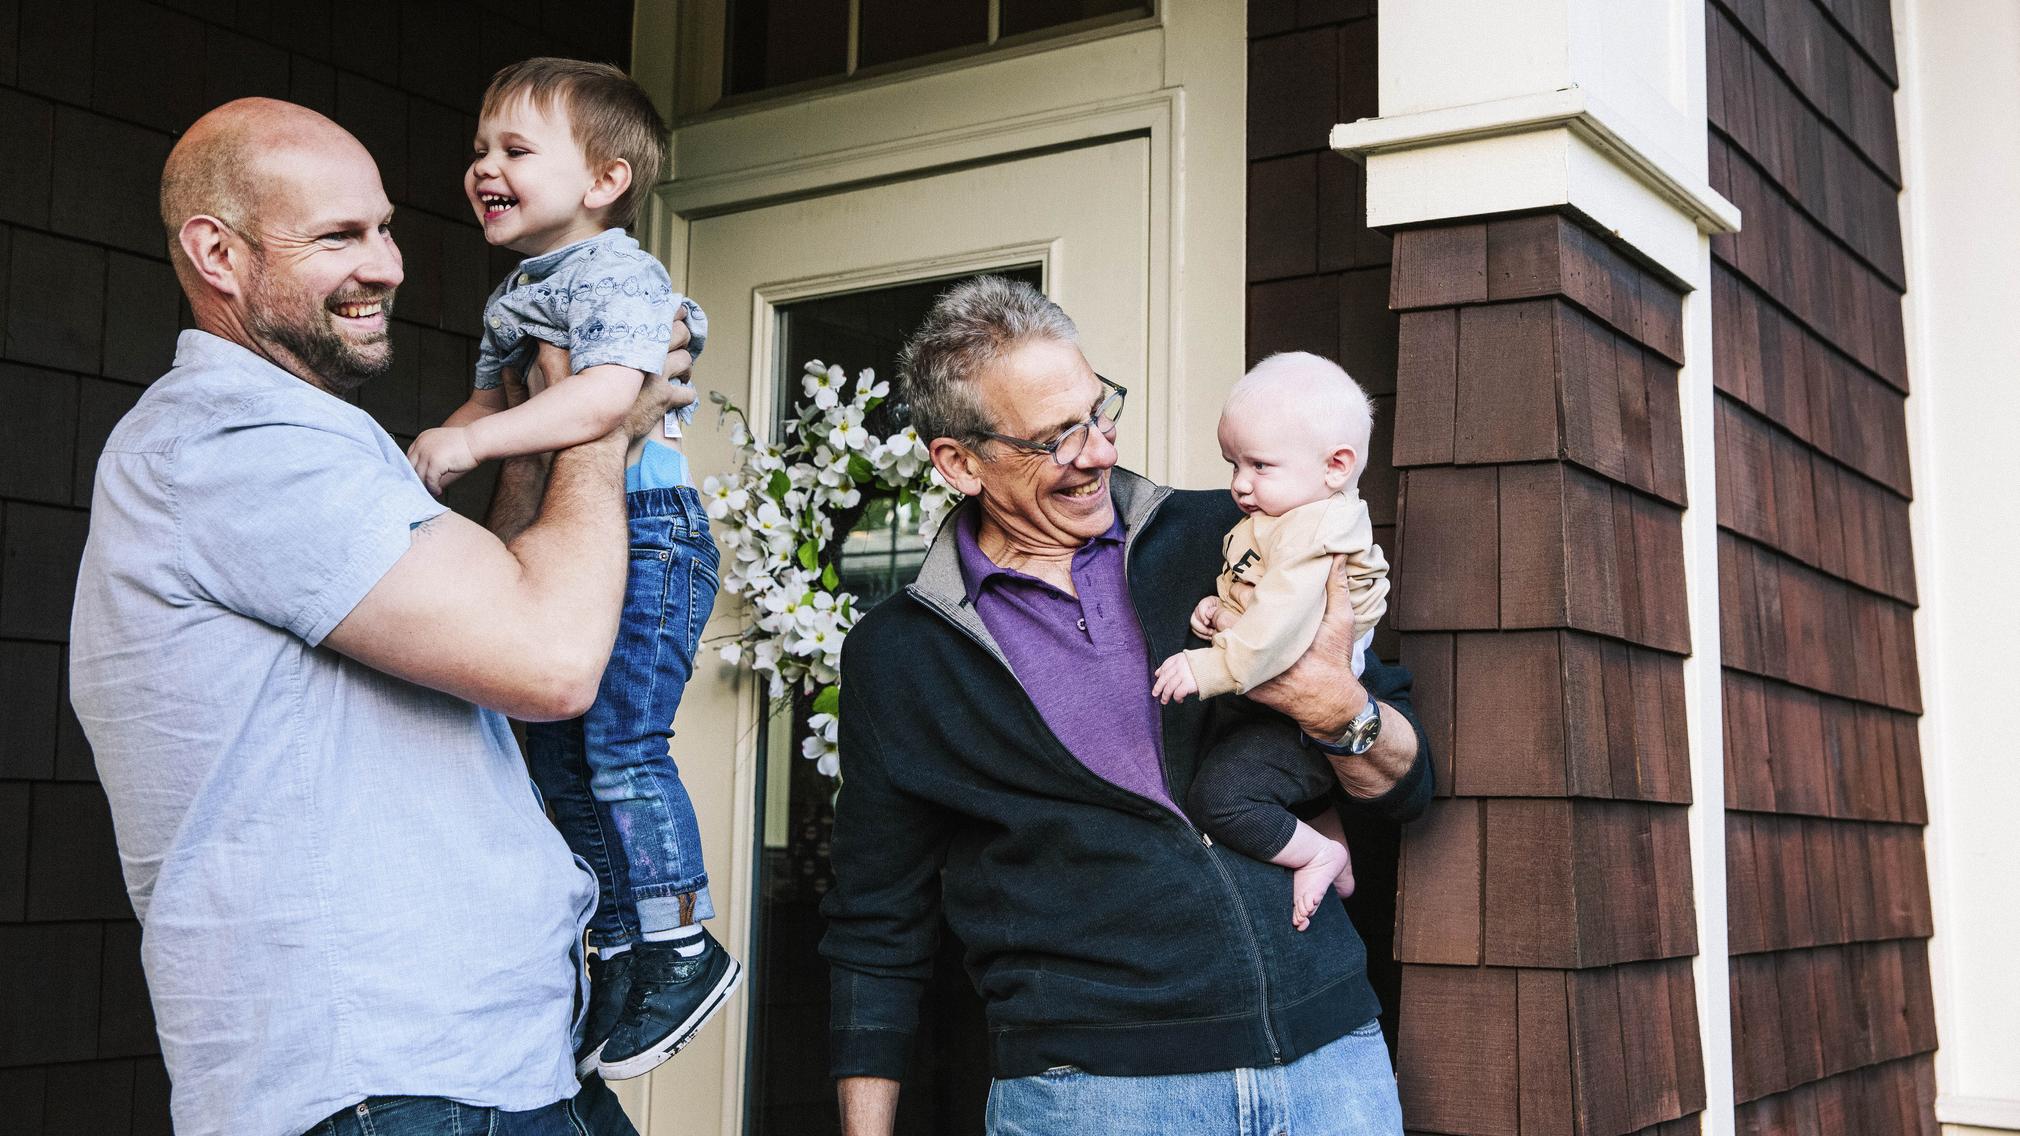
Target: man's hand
441, 456
1319, 691
648, 410
1321, 694
550, 365
1175, 680
1206, 617
678, 361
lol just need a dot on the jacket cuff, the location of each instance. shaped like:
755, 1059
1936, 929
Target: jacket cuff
1406, 799
869, 1053
1209, 670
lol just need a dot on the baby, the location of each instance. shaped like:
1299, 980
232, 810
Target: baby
565, 153
1295, 429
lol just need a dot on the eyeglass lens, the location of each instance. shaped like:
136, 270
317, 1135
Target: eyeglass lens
1075, 440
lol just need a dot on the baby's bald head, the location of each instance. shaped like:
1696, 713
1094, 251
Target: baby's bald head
1310, 393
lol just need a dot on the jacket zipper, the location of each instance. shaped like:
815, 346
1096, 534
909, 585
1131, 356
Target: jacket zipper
1227, 880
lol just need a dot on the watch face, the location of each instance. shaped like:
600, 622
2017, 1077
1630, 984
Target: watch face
1361, 735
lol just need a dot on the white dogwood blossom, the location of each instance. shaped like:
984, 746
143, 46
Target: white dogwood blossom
774, 520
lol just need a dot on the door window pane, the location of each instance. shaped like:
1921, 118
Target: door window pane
1020, 16
892, 30
775, 43
790, 1092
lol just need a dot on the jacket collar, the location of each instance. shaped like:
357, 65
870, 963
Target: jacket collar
941, 587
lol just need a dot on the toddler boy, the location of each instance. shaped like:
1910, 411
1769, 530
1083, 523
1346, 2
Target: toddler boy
565, 153
1295, 430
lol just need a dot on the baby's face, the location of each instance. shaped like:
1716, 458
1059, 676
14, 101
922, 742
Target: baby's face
527, 179
1278, 464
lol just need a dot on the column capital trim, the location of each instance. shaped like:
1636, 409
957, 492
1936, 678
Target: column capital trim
1569, 108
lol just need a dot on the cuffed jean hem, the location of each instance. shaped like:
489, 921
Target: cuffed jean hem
676, 909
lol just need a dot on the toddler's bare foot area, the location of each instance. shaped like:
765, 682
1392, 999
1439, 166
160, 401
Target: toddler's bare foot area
1343, 884
1311, 883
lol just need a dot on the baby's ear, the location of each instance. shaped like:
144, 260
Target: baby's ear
1341, 466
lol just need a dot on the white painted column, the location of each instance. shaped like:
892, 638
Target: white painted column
1598, 106
1959, 99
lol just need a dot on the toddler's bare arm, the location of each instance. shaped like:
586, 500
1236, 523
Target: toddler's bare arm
581, 408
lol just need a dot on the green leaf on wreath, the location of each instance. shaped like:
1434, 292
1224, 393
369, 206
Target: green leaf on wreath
779, 486
807, 555
859, 469
829, 579
828, 701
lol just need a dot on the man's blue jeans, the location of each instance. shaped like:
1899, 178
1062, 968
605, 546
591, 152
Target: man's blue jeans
615, 791
1345, 1088
593, 1112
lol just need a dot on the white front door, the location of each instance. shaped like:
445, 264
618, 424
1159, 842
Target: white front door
1076, 220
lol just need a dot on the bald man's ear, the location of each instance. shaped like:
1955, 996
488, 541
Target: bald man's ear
218, 259
957, 464
611, 182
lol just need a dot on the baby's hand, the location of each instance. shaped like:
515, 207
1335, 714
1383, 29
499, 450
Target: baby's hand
441, 456
1205, 617
1174, 680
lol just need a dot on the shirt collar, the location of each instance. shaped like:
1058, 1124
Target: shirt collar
539, 266
976, 567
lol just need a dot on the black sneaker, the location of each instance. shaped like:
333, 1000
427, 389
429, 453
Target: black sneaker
671, 998
609, 982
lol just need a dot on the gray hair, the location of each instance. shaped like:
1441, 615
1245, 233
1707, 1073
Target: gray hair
970, 326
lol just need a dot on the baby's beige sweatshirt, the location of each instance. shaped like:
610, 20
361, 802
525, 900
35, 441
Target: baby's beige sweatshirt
1273, 576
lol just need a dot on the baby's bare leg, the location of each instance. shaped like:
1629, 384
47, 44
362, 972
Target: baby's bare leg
1315, 862
1328, 824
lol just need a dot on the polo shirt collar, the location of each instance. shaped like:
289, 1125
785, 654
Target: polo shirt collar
976, 567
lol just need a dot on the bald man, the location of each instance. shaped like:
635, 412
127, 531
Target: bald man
295, 667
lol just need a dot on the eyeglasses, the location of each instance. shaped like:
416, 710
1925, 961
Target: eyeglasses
1066, 448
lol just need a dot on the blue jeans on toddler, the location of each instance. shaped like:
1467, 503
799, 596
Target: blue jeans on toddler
615, 791
1343, 1088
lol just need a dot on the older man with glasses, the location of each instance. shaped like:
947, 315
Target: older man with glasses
1004, 766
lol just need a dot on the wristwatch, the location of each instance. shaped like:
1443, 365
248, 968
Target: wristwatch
1360, 733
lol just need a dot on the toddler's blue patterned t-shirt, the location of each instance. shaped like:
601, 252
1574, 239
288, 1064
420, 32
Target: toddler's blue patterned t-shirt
605, 300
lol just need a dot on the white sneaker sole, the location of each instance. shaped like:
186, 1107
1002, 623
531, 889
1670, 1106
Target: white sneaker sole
650, 1059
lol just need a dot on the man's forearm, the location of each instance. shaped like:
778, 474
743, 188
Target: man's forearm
869, 1105
515, 499
575, 546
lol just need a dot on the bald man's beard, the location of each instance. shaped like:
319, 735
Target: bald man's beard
303, 325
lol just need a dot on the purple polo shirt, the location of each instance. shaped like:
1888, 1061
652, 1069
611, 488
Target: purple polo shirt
1081, 658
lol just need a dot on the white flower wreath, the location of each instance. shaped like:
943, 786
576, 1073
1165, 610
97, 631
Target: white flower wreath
774, 518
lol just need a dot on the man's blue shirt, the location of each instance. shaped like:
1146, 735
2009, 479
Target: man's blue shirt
346, 884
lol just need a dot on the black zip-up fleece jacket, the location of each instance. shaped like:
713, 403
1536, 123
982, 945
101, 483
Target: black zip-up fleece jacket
1102, 929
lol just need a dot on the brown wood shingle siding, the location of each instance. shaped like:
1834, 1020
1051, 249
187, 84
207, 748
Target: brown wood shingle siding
1828, 896
1546, 920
